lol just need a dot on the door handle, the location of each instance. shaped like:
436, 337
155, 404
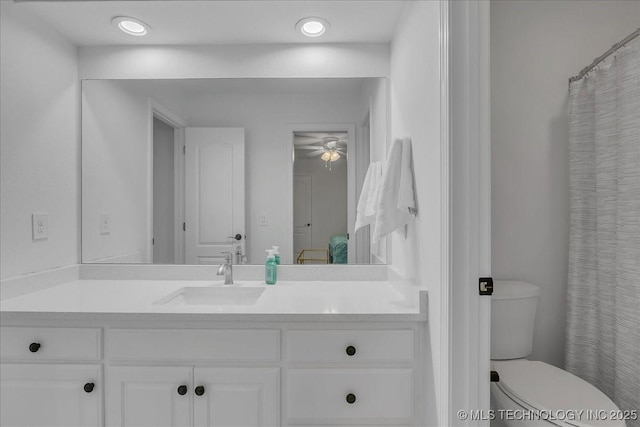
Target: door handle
236, 237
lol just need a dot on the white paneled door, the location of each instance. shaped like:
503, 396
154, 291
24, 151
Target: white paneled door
236, 397
142, 396
301, 214
50, 395
214, 193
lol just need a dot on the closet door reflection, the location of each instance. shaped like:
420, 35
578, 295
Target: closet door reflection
214, 197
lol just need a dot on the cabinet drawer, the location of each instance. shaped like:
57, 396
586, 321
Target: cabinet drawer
50, 343
350, 396
349, 345
193, 345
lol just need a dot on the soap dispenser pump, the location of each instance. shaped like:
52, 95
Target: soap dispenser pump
276, 254
271, 269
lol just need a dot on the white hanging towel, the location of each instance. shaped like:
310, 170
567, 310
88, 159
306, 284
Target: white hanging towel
396, 199
367, 204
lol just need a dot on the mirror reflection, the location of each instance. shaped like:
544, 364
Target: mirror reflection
320, 210
182, 171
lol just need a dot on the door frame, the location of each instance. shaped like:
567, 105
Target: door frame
352, 153
466, 143
363, 240
157, 110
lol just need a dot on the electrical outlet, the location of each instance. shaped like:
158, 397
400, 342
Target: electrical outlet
105, 223
40, 226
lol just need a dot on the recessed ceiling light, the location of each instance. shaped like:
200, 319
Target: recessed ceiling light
312, 26
131, 26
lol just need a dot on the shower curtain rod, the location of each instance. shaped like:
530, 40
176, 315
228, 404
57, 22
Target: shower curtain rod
605, 55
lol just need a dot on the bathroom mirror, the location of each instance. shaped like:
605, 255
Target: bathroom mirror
181, 171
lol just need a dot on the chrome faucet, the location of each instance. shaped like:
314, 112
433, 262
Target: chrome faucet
227, 268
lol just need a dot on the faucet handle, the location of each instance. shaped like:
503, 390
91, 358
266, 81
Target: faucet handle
228, 257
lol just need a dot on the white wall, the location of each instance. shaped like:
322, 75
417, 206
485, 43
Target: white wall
328, 196
415, 112
237, 61
535, 47
116, 165
39, 144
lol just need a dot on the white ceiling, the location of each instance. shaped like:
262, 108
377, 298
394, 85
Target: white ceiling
88, 22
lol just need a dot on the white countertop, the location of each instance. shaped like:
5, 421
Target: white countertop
300, 300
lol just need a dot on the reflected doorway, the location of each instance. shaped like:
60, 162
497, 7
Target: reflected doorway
163, 193
320, 198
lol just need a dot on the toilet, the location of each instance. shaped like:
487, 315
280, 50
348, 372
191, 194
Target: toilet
532, 393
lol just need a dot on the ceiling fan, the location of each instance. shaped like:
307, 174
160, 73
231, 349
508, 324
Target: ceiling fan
330, 146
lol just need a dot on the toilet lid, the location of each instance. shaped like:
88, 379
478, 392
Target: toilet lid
552, 391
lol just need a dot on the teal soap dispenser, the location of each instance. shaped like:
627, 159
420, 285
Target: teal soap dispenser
270, 269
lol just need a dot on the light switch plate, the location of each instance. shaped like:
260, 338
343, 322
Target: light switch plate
40, 225
105, 223
264, 219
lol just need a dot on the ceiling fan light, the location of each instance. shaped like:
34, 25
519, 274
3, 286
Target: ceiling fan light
326, 156
334, 156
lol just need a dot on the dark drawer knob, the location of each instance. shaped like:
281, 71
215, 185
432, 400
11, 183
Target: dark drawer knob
88, 387
34, 347
351, 398
199, 390
351, 350
182, 390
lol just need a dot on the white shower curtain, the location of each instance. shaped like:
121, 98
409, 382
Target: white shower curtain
603, 317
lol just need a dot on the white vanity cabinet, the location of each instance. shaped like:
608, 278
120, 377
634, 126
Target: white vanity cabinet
212, 391
50, 377
219, 373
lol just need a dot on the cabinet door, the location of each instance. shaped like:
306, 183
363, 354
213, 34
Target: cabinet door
50, 395
237, 397
149, 396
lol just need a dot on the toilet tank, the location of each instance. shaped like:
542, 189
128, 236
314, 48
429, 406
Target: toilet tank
513, 312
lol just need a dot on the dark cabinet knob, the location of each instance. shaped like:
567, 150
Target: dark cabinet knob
351, 398
88, 387
199, 390
182, 390
351, 350
309, 224
34, 347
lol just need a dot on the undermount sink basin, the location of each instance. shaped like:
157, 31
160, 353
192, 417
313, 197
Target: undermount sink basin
213, 296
